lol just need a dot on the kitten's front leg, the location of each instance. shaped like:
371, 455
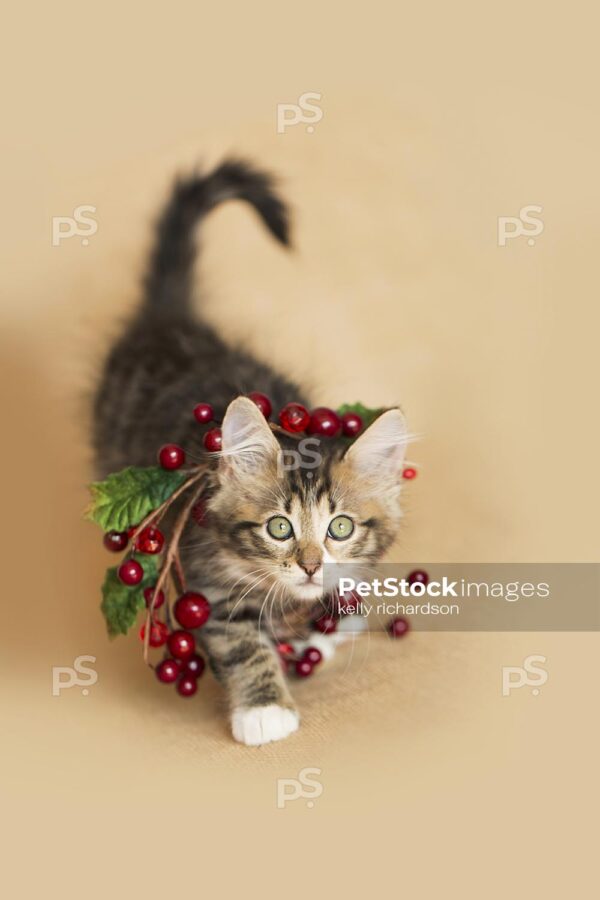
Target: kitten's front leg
261, 707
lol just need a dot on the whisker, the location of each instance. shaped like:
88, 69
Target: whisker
245, 594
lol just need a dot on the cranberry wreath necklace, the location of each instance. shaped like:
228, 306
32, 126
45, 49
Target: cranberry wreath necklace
152, 562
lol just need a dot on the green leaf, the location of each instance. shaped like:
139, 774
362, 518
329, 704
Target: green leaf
120, 603
126, 497
367, 415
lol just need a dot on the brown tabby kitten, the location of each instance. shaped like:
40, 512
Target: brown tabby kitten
271, 528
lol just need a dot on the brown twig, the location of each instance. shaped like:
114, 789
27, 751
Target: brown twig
171, 555
158, 513
182, 586
279, 430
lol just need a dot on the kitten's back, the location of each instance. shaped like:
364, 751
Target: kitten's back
167, 361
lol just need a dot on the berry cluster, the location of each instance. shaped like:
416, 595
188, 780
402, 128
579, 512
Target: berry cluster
150, 540
183, 665
321, 421
293, 418
303, 664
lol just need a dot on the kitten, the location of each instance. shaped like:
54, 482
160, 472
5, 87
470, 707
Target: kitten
269, 530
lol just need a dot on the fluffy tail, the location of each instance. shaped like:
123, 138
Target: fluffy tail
169, 277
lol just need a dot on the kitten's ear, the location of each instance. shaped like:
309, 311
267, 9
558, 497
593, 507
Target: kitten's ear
248, 442
381, 447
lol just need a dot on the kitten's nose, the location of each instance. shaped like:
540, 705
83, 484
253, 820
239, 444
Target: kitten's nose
310, 560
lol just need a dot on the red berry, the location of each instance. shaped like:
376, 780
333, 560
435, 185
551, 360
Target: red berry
187, 686
352, 424
326, 624
181, 644
168, 670
399, 627
409, 473
313, 655
303, 668
171, 456
204, 413
294, 417
158, 634
148, 595
115, 541
285, 649
263, 403
130, 572
149, 540
325, 422
132, 530
194, 666
199, 513
213, 440
192, 610
419, 576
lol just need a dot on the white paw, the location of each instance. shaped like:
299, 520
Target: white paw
261, 724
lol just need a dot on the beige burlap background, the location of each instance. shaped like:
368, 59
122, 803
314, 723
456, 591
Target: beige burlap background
437, 119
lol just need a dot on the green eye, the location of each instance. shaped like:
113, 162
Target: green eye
340, 528
280, 528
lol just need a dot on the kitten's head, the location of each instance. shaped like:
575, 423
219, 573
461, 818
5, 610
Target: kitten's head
282, 509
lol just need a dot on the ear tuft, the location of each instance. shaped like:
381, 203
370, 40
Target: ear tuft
248, 442
380, 450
